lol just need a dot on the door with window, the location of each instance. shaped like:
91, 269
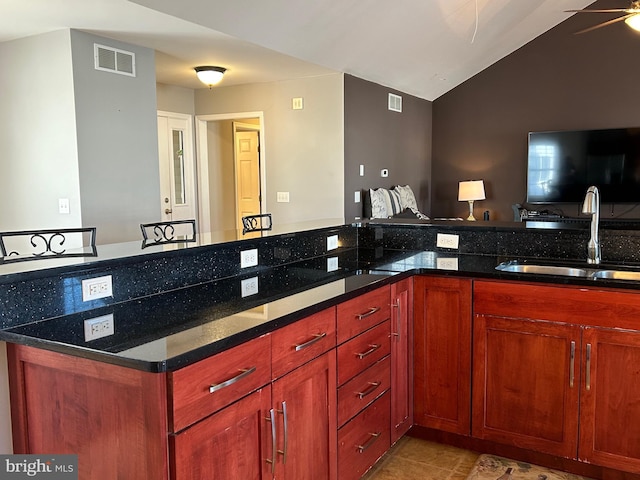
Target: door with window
177, 172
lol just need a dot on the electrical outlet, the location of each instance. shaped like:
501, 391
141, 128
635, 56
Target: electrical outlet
446, 240
63, 206
384, 172
95, 288
332, 242
447, 263
249, 258
249, 286
356, 196
332, 264
98, 327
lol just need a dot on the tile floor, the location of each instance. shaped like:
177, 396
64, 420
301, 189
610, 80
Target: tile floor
415, 459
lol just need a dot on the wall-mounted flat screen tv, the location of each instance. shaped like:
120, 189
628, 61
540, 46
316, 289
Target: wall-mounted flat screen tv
562, 165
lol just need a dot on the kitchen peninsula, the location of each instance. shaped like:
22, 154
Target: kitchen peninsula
207, 359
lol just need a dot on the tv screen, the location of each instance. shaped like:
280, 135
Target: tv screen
562, 165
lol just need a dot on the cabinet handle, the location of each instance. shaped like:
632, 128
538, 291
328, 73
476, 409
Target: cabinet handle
372, 310
398, 332
283, 452
272, 460
372, 388
588, 372
245, 372
572, 364
371, 441
316, 338
373, 348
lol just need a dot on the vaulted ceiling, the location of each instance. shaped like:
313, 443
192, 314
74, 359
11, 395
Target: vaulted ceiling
421, 47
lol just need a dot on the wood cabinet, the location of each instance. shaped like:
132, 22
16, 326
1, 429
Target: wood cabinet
364, 366
442, 353
556, 370
401, 358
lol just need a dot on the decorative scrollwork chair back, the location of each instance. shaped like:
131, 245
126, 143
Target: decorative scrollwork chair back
177, 231
23, 245
256, 223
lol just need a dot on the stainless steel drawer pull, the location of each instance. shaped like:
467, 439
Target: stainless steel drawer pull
398, 332
271, 418
373, 348
372, 388
283, 452
244, 373
371, 311
572, 365
316, 338
371, 441
588, 372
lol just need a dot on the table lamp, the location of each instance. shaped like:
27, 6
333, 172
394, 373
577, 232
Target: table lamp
469, 191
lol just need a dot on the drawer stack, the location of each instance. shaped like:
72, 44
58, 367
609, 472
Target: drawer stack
364, 365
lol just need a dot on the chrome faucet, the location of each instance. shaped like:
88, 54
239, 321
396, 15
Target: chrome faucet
591, 205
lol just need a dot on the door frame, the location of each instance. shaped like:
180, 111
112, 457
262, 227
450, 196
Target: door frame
202, 161
190, 161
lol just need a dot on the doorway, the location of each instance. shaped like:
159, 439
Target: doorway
177, 167
229, 184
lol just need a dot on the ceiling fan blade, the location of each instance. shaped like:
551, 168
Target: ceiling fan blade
604, 24
610, 10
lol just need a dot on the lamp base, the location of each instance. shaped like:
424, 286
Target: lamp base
471, 217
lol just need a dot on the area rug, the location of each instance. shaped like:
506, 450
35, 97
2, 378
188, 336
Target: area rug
491, 467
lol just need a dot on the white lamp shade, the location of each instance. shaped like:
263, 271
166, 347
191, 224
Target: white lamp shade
210, 75
633, 21
471, 190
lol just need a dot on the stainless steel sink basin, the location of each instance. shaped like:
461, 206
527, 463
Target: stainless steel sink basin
616, 274
568, 271
542, 269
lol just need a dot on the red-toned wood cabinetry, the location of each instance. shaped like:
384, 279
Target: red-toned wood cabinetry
556, 370
401, 358
442, 353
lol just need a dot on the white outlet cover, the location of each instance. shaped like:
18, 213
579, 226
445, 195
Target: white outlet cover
249, 258
332, 264
332, 242
96, 288
447, 263
99, 327
356, 196
446, 240
249, 286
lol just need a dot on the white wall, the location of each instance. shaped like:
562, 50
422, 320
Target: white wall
175, 99
303, 150
39, 161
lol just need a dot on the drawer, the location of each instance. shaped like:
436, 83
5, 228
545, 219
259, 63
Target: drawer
363, 440
363, 312
211, 384
363, 389
295, 344
363, 351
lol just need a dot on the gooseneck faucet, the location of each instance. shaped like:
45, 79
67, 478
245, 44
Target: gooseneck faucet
591, 205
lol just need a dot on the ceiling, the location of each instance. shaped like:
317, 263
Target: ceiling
420, 47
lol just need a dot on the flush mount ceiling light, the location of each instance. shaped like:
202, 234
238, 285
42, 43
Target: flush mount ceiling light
210, 75
633, 21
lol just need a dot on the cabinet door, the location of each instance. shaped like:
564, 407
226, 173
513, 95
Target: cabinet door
526, 384
442, 350
236, 442
610, 399
401, 358
305, 402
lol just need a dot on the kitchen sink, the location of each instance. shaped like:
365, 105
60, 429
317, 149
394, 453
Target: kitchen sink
616, 274
542, 269
568, 271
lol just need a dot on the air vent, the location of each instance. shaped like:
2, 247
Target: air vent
114, 60
395, 103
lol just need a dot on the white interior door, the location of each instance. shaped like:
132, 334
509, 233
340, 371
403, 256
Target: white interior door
178, 199
247, 171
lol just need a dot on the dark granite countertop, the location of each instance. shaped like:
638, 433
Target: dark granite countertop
167, 331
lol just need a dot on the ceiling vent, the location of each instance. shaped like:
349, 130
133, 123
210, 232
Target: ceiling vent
114, 60
395, 103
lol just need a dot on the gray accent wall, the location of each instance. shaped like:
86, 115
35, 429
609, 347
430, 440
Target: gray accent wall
117, 132
558, 81
382, 139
